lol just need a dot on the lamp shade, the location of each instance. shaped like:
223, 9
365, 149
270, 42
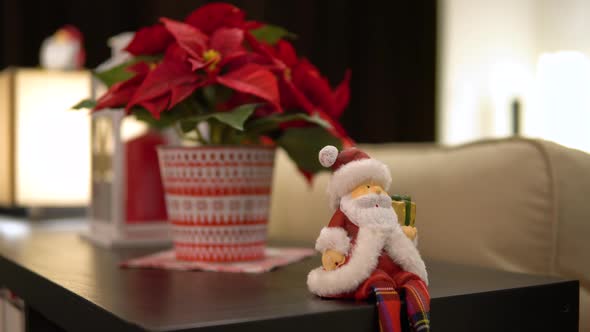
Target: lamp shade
44, 147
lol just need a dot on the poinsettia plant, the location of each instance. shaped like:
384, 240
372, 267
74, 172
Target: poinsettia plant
242, 78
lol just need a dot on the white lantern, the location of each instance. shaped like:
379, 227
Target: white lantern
127, 205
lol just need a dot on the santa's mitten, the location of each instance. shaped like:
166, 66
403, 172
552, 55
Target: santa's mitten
412, 233
334, 245
332, 259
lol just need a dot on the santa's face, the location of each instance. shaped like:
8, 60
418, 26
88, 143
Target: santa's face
369, 206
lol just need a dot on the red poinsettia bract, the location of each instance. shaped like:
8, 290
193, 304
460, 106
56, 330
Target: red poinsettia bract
193, 60
121, 93
213, 16
167, 85
216, 46
303, 87
150, 40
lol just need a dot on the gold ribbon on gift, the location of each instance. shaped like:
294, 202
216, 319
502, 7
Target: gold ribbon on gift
405, 209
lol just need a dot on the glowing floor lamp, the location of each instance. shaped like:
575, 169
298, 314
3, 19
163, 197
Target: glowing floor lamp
44, 147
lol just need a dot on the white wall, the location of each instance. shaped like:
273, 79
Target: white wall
489, 52
562, 25
486, 49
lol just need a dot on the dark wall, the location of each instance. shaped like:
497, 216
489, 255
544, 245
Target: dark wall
390, 48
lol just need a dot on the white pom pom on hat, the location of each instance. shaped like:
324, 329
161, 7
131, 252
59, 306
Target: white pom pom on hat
328, 155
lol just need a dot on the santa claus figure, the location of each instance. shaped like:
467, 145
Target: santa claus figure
64, 50
365, 253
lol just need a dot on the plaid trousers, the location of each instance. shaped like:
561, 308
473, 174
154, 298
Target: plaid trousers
415, 294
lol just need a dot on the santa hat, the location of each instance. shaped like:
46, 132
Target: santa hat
74, 35
351, 167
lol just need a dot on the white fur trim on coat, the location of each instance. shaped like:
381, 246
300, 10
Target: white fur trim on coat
355, 173
363, 260
403, 251
333, 238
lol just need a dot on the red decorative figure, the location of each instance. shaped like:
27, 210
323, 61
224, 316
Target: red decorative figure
365, 253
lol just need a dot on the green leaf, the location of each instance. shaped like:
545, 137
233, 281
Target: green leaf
216, 94
272, 122
120, 73
271, 33
303, 145
188, 126
183, 111
209, 94
167, 118
234, 118
144, 115
115, 74
86, 103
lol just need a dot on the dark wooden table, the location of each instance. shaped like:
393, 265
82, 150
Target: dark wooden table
68, 284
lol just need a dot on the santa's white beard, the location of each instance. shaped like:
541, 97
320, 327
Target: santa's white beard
370, 210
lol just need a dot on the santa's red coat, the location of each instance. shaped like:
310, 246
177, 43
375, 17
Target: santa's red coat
371, 254
385, 266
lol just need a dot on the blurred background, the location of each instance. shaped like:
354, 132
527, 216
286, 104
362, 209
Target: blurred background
390, 48
448, 72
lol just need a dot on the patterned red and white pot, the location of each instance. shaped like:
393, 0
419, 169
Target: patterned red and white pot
218, 200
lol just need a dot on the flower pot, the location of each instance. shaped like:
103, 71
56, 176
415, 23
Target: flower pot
218, 200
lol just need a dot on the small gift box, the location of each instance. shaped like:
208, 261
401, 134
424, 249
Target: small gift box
405, 209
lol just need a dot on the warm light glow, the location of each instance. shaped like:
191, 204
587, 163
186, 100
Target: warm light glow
132, 128
52, 141
6, 139
13, 228
492, 52
561, 104
485, 59
509, 80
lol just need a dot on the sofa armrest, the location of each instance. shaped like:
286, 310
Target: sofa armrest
570, 176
